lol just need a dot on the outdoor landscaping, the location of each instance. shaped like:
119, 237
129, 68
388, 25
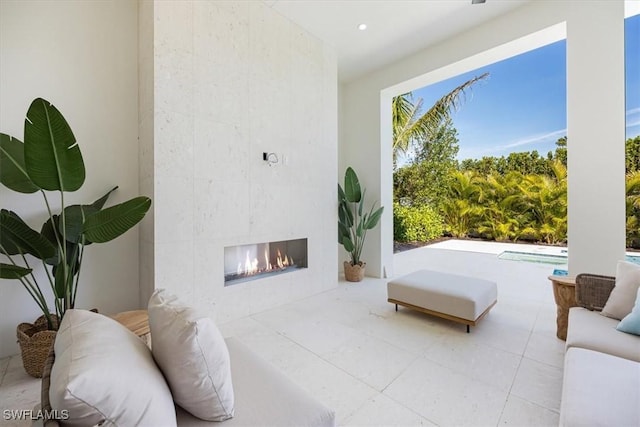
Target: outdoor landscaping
518, 197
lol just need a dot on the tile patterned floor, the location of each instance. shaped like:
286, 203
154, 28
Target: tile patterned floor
374, 366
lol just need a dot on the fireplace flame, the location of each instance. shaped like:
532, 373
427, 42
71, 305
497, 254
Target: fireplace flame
283, 261
266, 260
250, 267
253, 266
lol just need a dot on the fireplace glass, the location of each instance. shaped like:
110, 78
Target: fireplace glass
258, 260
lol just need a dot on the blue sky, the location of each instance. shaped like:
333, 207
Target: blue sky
522, 105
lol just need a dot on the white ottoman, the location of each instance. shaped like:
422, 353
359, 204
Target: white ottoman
459, 298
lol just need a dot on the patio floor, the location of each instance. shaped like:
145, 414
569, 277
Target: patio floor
373, 366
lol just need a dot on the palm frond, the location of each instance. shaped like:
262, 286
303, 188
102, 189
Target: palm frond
411, 124
443, 107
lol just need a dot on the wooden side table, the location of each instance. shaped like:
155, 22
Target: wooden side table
564, 292
137, 321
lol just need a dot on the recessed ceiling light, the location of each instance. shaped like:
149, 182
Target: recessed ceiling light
362, 27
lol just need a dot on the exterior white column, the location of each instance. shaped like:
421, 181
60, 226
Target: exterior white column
595, 130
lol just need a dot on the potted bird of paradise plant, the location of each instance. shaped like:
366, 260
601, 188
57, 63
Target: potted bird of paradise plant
353, 223
49, 161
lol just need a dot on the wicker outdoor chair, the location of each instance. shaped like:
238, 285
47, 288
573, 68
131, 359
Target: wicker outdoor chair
593, 290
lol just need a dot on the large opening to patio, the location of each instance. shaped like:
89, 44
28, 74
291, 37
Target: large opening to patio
462, 170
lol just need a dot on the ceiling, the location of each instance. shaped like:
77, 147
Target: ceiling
395, 28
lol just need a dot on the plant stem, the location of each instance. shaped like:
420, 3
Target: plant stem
53, 223
32, 289
354, 233
61, 250
53, 288
67, 291
75, 287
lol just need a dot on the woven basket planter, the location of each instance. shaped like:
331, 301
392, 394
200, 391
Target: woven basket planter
354, 273
35, 341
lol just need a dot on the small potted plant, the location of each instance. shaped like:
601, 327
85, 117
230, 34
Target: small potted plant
353, 223
48, 161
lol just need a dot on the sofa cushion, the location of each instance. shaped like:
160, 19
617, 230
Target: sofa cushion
104, 375
631, 322
193, 356
590, 330
599, 390
623, 295
264, 396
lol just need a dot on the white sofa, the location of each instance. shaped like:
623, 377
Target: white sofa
601, 384
263, 395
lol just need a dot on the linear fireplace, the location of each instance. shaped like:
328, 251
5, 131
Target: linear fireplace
254, 261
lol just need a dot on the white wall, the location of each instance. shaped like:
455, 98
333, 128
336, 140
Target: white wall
81, 56
146, 110
231, 81
361, 143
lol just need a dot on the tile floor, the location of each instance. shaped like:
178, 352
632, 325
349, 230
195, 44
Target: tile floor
351, 350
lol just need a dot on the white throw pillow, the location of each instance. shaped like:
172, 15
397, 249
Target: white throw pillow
623, 295
193, 356
105, 375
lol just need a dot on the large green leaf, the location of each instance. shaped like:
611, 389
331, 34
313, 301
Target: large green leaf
13, 173
373, 219
99, 204
112, 222
352, 186
10, 271
75, 216
49, 231
60, 287
345, 215
359, 229
347, 243
342, 231
24, 237
52, 156
8, 245
341, 196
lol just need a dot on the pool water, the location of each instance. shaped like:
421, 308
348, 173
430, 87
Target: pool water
533, 257
548, 259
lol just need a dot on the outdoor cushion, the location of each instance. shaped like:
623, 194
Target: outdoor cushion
193, 356
599, 390
264, 397
631, 323
623, 295
105, 375
590, 330
459, 296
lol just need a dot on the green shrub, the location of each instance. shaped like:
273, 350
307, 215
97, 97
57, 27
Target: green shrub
416, 223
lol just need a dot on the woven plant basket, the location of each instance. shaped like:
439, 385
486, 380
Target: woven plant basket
354, 273
35, 341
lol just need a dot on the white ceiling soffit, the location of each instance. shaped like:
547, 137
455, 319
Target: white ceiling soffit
395, 28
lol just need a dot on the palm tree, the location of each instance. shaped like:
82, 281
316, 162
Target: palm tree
545, 199
410, 124
502, 211
461, 209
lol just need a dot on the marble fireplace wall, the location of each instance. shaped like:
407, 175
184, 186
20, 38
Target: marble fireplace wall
232, 80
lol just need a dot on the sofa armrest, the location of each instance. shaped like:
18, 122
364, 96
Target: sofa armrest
593, 290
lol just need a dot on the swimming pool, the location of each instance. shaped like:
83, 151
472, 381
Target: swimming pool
547, 258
